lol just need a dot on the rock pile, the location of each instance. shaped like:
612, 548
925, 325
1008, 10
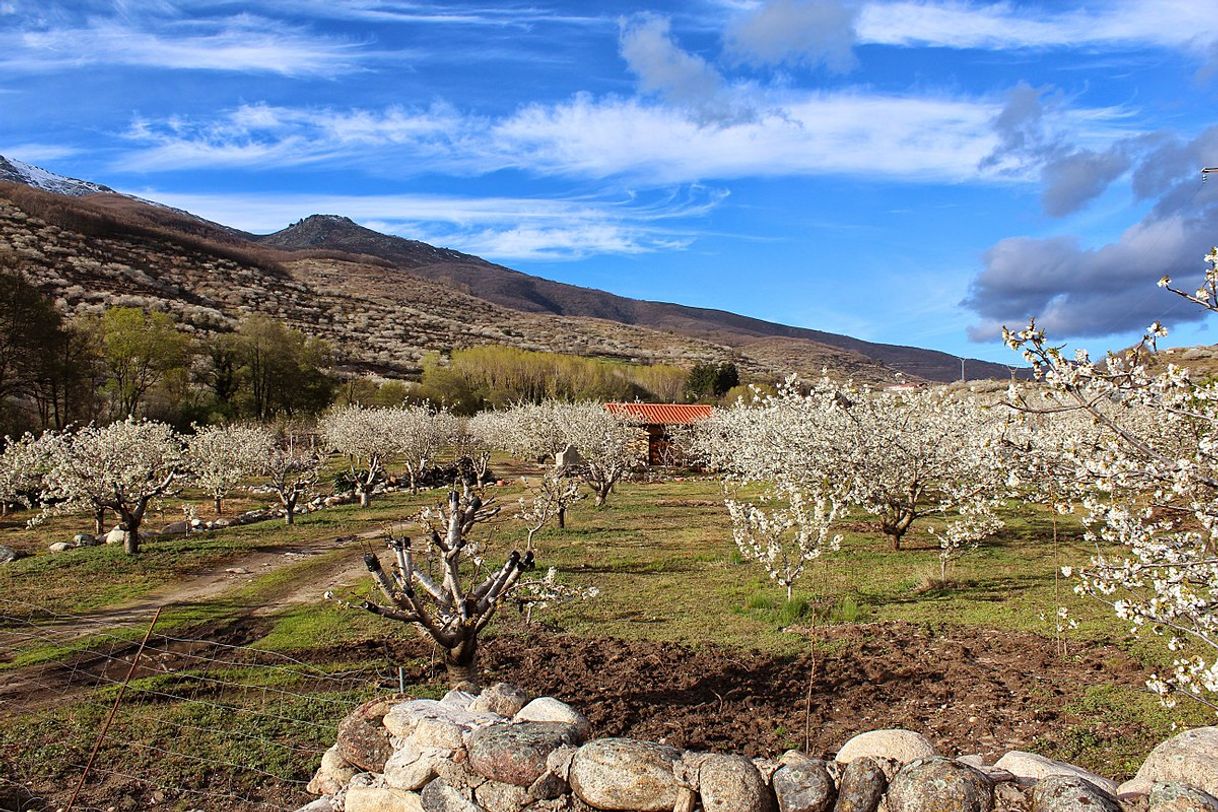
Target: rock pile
502, 751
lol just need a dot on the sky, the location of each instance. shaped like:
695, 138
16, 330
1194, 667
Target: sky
908, 171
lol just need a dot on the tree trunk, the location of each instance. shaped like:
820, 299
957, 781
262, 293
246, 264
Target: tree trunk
562, 518
289, 512
218, 509
131, 544
461, 665
363, 498
99, 521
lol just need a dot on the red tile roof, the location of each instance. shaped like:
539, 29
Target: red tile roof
664, 413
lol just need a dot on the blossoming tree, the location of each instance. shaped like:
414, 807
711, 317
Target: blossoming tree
221, 457
124, 467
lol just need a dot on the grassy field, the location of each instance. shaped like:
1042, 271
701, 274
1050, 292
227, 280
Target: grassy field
661, 554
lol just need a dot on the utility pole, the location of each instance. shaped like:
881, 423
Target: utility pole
962, 369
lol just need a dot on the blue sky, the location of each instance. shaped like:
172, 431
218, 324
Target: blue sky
907, 171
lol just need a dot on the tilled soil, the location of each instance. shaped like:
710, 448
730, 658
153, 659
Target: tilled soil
968, 690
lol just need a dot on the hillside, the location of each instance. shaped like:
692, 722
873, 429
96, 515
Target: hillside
385, 301
521, 291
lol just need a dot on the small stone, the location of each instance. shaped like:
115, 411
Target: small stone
458, 699
903, 746
1190, 758
61, 546
1069, 793
333, 774
368, 793
624, 774
320, 805
861, 787
1172, 796
412, 767
732, 784
176, 529
494, 796
85, 540
516, 754
803, 784
1035, 767
363, 739
559, 761
500, 698
429, 732
548, 787
404, 716
548, 709
116, 536
940, 785
438, 796
7, 554
1011, 797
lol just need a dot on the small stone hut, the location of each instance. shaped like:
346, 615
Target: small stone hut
656, 419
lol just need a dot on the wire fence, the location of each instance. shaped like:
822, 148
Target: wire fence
198, 724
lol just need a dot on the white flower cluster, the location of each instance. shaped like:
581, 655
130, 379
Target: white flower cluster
1137, 447
898, 456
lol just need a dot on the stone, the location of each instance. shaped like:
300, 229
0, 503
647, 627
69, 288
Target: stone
61, 546
116, 536
548, 709
220, 523
1035, 767
940, 785
85, 540
457, 774
176, 529
1069, 793
458, 699
1190, 758
559, 761
861, 787
438, 796
500, 698
432, 732
803, 784
7, 554
624, 774
333, 774
494, 796
320, 805
1011, 797
362, 737
1172, 796
404, 716
732, 784
368, 793
516, 753
412, 767
548, 787
903, 746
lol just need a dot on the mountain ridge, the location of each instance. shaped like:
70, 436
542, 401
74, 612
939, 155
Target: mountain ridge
308, 250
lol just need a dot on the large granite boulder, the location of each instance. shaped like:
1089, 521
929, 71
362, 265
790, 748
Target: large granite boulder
903, 746
1189, 758
940, 785
624, 774
516, 754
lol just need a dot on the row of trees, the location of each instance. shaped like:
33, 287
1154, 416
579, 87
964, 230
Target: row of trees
56, 371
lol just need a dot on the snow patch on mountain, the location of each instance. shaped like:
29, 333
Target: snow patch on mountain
14, 171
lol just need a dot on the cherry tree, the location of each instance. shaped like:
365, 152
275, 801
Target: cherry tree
788, 531
124, 467
221, 457
23, 465
547, 498
366, 437
291, 469
1151, 501
421, 435
476, 441
439, 585
607, 445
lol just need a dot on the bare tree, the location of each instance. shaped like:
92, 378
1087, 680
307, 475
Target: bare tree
291, 469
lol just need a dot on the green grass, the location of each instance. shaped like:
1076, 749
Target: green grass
661, 554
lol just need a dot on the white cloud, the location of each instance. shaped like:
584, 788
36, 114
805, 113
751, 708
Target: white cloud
34, 152
793, 134
503, 228
1001, 26
241, 43
663, 68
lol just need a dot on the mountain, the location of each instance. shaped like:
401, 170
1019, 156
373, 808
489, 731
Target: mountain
521, 291
385, 301
14, 171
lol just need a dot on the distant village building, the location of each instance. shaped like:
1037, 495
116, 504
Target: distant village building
656, 418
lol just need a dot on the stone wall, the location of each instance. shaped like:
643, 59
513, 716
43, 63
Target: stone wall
502, 751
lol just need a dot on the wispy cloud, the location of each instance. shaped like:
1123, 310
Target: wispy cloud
1003, 26
241, 43
791, 134
35, 152
504, 228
